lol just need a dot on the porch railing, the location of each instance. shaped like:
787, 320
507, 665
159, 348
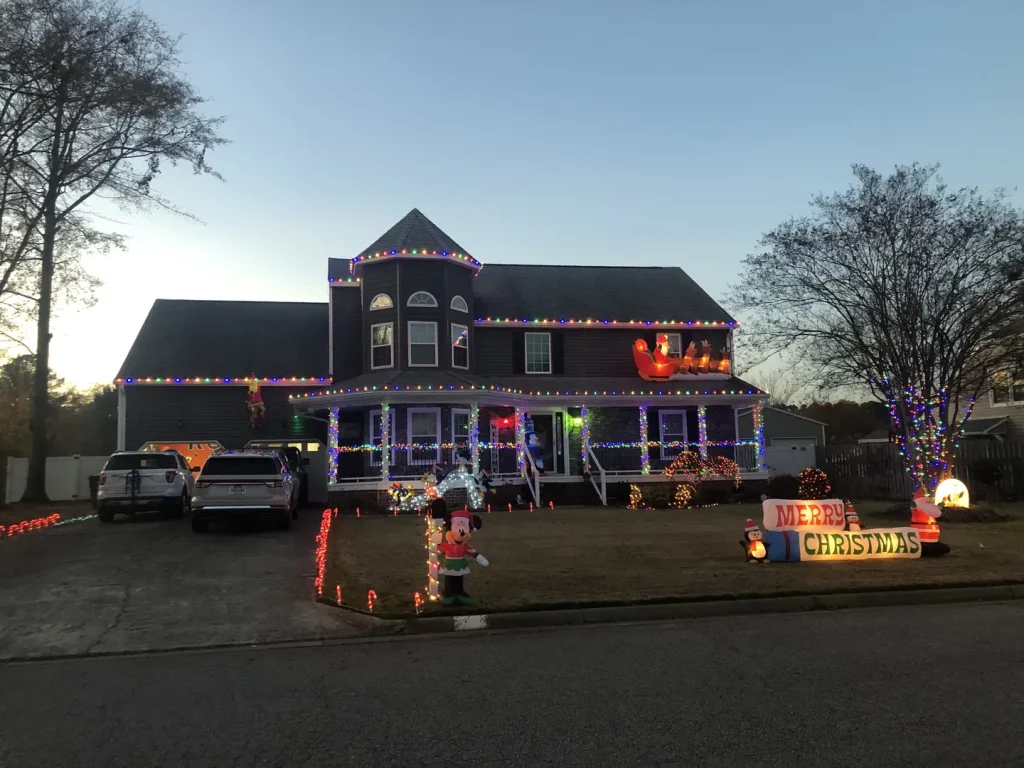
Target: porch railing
602, 489
531, 476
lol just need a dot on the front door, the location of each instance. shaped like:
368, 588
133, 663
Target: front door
550, 430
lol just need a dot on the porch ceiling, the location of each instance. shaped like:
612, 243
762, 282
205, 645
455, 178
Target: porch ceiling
442, 386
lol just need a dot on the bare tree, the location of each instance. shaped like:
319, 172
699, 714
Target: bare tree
780, 384
900, 285
108, 104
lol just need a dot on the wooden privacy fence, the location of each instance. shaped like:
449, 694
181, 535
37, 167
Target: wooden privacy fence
992, 470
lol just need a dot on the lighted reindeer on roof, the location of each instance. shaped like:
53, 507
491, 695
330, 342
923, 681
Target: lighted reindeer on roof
658, 366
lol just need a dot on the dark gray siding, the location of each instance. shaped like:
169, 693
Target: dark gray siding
346, 333
585, 352
211, 413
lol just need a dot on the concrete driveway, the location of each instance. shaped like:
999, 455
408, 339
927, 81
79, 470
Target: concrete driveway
149, 583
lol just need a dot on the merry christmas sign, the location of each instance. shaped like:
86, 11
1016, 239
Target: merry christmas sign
797, 531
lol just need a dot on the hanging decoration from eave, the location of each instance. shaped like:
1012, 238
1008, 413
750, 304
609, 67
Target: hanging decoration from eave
693, 364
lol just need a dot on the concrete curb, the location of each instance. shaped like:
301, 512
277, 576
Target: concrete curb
701, 609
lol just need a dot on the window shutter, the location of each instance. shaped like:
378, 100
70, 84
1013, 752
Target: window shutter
518, 352
557, 353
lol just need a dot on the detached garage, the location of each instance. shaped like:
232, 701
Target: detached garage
790, 439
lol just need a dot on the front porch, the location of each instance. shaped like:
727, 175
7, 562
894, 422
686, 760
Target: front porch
526, 448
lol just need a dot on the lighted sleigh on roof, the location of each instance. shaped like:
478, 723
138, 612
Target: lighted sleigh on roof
659, 366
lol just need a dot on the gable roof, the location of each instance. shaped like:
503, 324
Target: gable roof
414, 230
530, 291
746, 411
189, 338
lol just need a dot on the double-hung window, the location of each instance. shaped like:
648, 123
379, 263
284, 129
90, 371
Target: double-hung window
424, 429
538, 353
673, 430
1008, 388
382, 346
460, 346
422, 344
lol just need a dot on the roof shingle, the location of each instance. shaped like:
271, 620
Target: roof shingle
531, 291
414, 231
187, 338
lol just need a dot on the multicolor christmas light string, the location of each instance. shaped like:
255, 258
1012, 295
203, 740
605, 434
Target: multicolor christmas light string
702, 430
385, 432
814, 484
925, 438
332, 442
645, 451
585, 438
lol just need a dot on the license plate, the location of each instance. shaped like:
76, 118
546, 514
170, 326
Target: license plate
237, 489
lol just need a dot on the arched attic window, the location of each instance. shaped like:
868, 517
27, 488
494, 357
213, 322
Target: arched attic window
459, 304
421, 299
381, 301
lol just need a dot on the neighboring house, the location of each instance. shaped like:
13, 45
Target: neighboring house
876, 436
791, 440
424, 355
998, 413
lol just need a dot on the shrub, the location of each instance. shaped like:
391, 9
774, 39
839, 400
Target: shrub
783, 487
813, 484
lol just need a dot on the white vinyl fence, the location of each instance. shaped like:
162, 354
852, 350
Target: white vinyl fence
67, 477
789, 460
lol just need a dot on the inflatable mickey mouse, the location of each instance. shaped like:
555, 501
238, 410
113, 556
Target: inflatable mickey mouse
456, 552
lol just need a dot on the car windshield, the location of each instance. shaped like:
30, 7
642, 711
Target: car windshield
241, 465
142, 461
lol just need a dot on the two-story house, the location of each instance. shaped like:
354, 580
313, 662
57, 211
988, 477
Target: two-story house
423, 355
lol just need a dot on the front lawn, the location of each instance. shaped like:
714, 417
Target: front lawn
24, 510
579, 555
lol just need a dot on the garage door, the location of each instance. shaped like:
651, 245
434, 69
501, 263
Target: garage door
796, 443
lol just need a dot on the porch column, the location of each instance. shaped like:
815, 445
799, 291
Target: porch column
474, 436
702, 430
385, 442
122, 416
585, 439
758, 421
520, 442
332, 446
645, 449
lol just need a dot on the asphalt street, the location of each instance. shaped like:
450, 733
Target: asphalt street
929, 685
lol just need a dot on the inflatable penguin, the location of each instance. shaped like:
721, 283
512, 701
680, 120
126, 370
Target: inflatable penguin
753, 543
852, 518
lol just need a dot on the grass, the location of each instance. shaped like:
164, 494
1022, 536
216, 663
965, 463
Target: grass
600, 555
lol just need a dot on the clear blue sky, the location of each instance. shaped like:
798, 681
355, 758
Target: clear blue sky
664, 133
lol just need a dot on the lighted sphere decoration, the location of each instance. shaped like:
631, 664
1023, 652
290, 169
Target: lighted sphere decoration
952, 493
814, 484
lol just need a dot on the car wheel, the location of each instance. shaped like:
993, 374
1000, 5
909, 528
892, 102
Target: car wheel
199, 525
184, 504
105, 515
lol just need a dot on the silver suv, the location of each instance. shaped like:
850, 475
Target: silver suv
244, 483
137, 480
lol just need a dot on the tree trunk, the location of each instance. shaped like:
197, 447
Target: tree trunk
36, 488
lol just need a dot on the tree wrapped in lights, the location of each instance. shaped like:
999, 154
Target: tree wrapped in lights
814, 484
899, 287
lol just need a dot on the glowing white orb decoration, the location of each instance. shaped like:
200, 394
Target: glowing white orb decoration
952, 493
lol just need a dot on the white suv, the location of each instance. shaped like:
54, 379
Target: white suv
137, 480
244, 483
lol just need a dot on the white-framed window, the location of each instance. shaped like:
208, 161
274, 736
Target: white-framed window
460, 433
381, 301
459, 304
424, 427
1007, 388
422, 344
673, 429
382, 346
377, 436
421, 299
460, 346
675, 344
538, 353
